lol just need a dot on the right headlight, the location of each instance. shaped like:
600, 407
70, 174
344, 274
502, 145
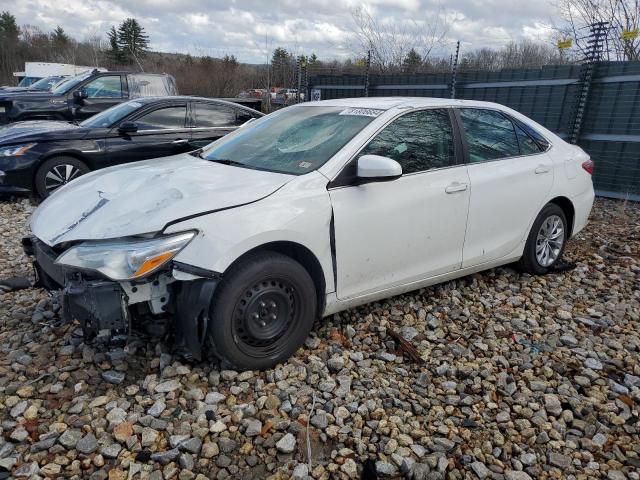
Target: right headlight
125, 259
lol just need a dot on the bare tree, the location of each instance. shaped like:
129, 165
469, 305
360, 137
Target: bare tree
621, 15
391, 41
95, 46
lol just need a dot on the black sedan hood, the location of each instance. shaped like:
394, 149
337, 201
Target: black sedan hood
34, 130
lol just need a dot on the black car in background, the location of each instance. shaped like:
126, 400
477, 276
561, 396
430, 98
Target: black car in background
43, 155
42, 85
82, 96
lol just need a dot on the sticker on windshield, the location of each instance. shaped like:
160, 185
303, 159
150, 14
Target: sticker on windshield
363, 112
304, 164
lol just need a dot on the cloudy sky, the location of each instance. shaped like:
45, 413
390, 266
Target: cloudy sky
250, 29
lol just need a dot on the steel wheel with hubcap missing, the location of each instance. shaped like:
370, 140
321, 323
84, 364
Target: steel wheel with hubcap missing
57, 172
262, 311
263, 315
546, 240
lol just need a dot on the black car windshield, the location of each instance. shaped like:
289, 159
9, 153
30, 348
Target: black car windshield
46, 83
112, 115
295, 140
64, 87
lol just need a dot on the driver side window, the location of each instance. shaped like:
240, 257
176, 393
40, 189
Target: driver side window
418, 141
104, 87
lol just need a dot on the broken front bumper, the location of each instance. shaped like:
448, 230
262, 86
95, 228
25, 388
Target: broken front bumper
107, 309
100, 305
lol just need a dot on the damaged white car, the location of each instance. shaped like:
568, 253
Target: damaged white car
235, 250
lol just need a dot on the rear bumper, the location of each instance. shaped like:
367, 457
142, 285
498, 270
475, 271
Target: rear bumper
582, 204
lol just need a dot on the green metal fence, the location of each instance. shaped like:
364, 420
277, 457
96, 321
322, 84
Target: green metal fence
611, 124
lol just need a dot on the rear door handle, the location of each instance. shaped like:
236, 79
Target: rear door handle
456, 187
541, 169
180, 141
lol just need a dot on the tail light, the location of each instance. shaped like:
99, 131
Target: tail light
589, 166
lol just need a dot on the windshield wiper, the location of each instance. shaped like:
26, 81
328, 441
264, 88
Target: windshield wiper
226, 161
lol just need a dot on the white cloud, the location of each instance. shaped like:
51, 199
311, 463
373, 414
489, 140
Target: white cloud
251, 28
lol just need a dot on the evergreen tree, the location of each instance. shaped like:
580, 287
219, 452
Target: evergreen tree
412, 61
281, 65
114, 48
132, 40
230, 61
59, 38
9, 31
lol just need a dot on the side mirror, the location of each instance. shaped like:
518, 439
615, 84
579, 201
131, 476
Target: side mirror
376, 167
80, 94
128, 127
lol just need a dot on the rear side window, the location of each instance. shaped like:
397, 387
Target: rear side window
542, 142
490, 135
163, 118
418, 141
528, 146
215, 116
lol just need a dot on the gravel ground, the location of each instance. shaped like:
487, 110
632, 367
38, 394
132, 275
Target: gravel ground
521, 377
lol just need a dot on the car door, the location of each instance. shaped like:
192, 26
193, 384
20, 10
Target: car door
510, 176
101, 93
213, 121
161, 131
398, 232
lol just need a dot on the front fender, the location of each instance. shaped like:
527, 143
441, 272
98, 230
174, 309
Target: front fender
299, 213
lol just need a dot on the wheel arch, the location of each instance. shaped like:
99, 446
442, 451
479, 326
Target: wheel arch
300, 254
569, 211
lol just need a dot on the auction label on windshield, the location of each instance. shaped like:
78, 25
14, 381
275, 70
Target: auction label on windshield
363, 112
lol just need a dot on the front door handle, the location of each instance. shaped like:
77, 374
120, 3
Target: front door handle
456, 187
541, 169
180, 141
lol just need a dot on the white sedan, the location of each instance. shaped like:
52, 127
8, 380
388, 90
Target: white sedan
237, 248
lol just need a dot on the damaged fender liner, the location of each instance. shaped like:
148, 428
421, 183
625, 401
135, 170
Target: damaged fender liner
193, 306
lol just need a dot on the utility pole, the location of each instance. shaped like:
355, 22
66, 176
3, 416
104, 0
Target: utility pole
592, 55
454, 71
366, 80
299, 75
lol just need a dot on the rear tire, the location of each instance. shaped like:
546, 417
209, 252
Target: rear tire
546, 241
56, 172
262, 311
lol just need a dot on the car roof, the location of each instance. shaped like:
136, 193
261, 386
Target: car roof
386, 103
169, 98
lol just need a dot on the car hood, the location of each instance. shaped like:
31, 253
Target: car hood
23, 131
28, 95
142, 197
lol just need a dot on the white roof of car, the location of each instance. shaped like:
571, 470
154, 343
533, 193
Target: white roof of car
386, 103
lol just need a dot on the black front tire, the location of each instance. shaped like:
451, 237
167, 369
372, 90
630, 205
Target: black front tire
43, 185
529, 262
261, 312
